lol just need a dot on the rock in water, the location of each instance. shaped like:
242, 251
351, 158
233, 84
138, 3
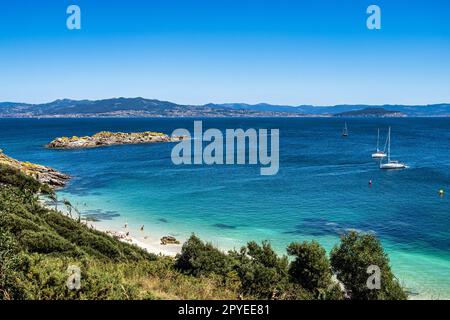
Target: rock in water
169, 240
106, 138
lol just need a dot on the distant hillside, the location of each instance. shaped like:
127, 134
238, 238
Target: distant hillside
128, 107
141, 107
371, 113
435, 110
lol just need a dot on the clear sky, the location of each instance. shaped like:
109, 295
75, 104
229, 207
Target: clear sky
198, 51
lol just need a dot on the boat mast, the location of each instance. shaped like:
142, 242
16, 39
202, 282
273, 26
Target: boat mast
389, 145
378, 141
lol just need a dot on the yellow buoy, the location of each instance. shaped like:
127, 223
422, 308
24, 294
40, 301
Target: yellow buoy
441, 192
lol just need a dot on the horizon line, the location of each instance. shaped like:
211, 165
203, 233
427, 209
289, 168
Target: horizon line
231, 103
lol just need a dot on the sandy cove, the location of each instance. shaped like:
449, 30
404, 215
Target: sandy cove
145, 240
148, 241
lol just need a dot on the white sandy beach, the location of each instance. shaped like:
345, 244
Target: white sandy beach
145, 240
149, 241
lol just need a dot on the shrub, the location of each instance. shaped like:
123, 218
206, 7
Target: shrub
350, 260
13, 177
198, 258
311, 270
12, 266
262, 273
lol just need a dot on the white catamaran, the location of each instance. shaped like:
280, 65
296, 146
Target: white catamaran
379, 154
391, 164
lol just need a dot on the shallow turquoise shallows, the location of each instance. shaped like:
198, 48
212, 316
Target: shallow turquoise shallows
321, 190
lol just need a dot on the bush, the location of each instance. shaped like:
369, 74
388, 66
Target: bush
100, 280
13, 177
198, 258
312, 271
262, 273
44, 242
350, 260
12, 266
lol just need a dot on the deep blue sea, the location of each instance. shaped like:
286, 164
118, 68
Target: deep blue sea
321, 189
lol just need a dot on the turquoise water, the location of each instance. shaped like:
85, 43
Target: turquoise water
320, 191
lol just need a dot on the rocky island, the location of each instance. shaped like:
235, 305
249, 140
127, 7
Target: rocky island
372, 113
106, 138
43, 174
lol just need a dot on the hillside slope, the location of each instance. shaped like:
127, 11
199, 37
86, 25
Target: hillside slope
37, 246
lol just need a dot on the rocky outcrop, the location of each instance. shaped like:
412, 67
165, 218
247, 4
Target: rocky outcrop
43, 174
106, 138
169, 240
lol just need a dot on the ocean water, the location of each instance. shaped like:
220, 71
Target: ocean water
321, 189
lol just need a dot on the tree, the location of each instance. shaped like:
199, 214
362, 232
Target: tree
311, 270
68, 206
263, 274
351, 259
199, 258
53, 196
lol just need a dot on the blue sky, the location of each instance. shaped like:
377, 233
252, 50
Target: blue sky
194, 51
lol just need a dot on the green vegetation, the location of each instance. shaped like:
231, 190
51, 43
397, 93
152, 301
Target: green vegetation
262, 273
312, 271
37, 245
350, 260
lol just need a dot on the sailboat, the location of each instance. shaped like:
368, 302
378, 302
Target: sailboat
345, 131
379, 154
391, 164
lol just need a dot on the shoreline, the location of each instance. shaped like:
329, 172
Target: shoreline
149, 242
152, 245
145, 240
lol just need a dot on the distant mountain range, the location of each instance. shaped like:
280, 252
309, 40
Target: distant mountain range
141, 107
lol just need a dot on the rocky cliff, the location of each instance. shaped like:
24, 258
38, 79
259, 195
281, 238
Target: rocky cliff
43, 174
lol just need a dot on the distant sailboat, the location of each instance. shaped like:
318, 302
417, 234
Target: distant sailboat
379, 154
345, 131
391, 164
